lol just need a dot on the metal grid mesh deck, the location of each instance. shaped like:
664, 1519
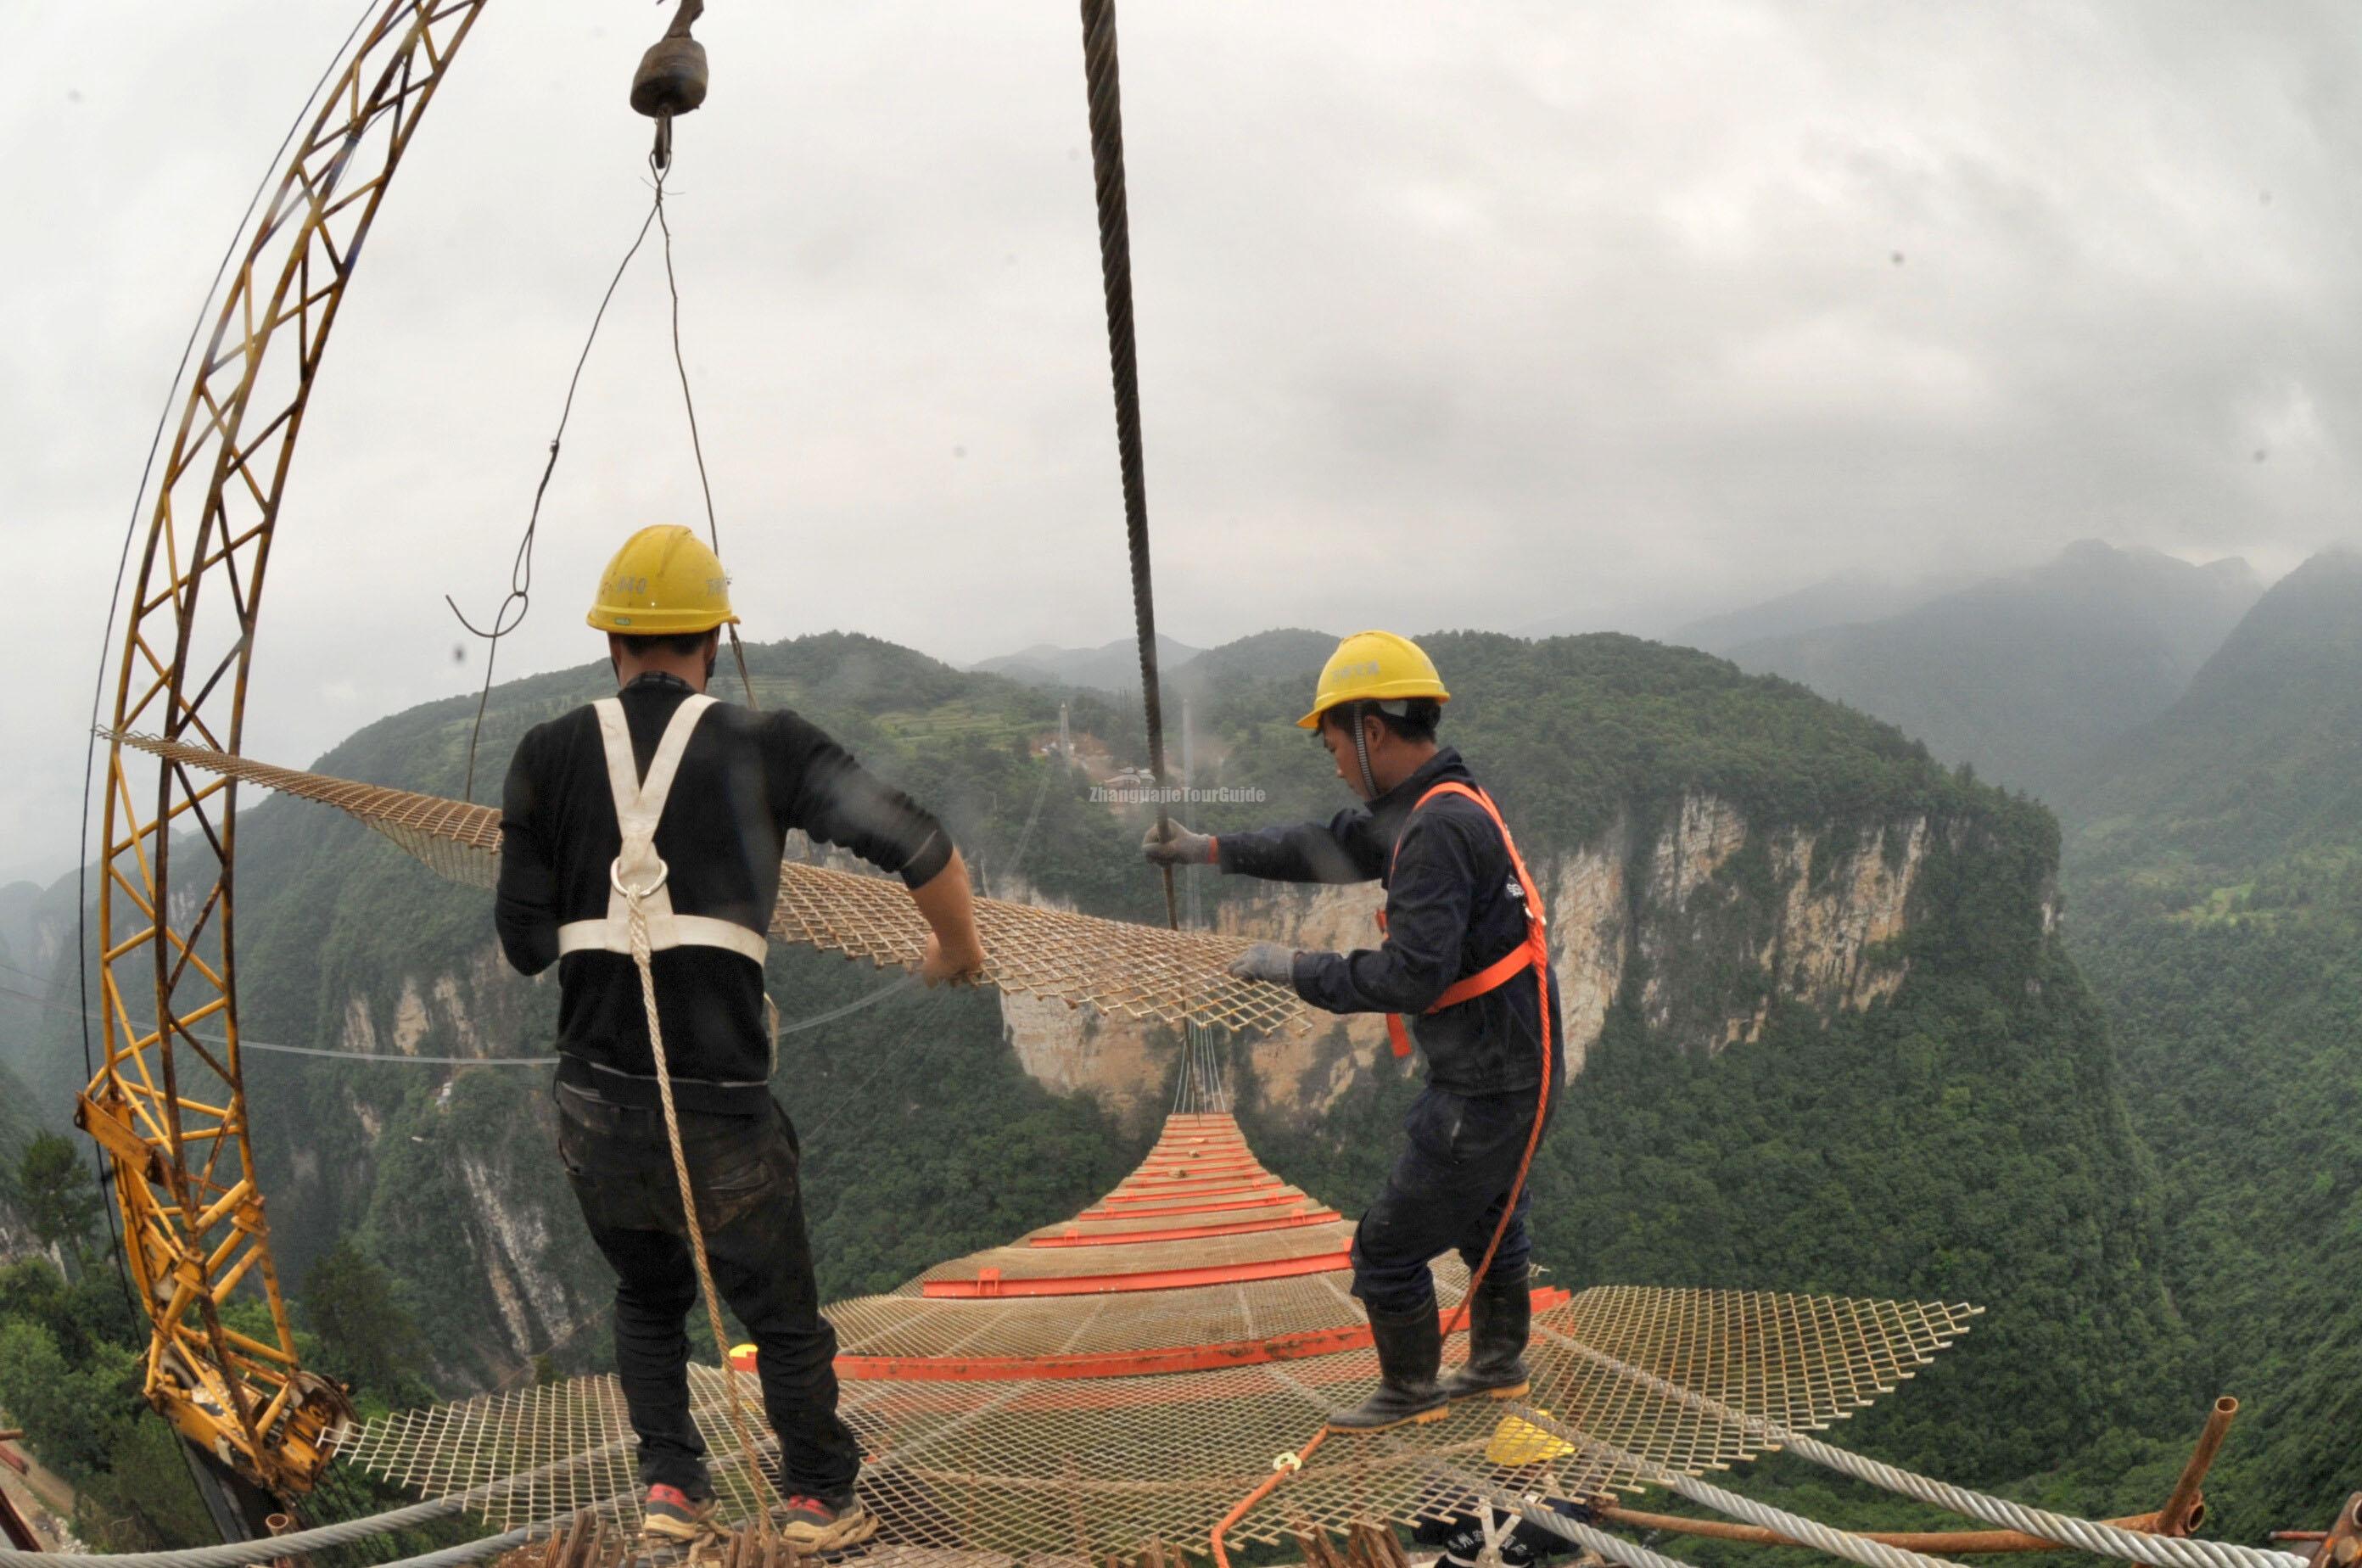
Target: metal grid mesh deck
984, 1434
1170, 976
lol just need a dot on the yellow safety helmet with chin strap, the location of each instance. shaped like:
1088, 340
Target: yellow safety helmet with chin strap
1377, 666
665, 581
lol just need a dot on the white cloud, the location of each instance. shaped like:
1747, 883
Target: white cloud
1448, 316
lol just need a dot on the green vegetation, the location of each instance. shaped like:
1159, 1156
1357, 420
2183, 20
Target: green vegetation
2217, 878
2024, 675
1967, 1139
70, 1372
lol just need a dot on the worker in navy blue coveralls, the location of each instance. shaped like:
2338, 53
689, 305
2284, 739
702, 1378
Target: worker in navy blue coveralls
586, 798
1456, 916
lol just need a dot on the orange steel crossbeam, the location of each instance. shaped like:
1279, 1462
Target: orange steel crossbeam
988, 1285
1073, 1238
1128, 1364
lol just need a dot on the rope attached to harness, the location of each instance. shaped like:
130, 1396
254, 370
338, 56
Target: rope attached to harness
643, 958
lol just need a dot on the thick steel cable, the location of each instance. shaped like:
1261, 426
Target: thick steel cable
643, 958
476, 1551
2085, 1535
1796, 1526
1106, 95
1615, 1549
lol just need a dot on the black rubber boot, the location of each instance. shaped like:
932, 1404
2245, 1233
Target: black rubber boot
1500, 1317
1410, 1348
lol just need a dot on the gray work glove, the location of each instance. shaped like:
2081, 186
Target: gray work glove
1178, 847
1266, 961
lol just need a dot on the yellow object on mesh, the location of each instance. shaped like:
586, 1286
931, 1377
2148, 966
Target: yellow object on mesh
1517, 1442
663, 582
1377, 666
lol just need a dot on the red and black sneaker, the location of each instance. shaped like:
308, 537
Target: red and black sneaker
667, 1513
817, 1526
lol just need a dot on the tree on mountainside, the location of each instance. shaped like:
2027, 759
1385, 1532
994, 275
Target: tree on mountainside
60, 1200
366, 1336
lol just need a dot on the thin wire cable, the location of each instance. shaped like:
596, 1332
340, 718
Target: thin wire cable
520, 593
247, 1044
696, 445
835, 1107
1106, 94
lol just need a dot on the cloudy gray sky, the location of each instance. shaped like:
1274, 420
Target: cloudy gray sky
1450, 315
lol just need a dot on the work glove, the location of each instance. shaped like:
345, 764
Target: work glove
1179, 846
1266, 961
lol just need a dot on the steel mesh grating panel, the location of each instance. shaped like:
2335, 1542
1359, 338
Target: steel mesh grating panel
1141, 972
1206, 1315
1041, 1468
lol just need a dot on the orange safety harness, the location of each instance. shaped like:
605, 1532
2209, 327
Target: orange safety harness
1533, 953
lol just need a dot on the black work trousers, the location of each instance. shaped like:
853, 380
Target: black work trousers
1447, 1191
744, 1170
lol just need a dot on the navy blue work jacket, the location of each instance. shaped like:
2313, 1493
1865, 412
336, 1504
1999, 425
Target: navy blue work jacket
1453, 907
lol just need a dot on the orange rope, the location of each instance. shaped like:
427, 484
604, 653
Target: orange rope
1540, 942
1280, 1471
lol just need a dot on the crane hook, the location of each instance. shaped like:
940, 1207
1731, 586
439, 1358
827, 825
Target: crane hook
671, 79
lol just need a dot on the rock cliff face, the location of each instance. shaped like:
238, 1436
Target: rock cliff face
1704, 921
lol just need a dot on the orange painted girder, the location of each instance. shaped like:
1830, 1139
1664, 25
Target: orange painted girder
1163, 1191
1267, 1200
1127, 1363
988, 1285
1187, 1232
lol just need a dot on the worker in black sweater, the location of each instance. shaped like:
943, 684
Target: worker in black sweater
1463, 954
662, 785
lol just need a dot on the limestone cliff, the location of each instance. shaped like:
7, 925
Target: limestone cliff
1707, 920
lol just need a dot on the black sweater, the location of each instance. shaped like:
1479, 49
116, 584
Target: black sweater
1453, 906
745, 781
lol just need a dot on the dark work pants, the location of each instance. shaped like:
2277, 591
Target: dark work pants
750, 1205
1447, 1191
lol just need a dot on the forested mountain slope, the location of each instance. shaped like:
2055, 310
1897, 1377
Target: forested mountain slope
2216, 868
2025, 676
1958, 1136
1831, 1040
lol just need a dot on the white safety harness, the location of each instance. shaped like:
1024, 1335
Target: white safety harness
639, 805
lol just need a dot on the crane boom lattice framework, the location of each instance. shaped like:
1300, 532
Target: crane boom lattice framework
1105, 1385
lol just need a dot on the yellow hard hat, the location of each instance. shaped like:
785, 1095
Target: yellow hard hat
1517, 1442
664, 582
1374, 666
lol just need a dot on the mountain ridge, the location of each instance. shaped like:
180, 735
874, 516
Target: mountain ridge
2023, 674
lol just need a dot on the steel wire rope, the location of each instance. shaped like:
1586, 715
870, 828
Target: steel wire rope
107, 1200
1614, 1547
345, 1533
868, 999
834, 1107
2086, 1535
1823, 1538
1106, 97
